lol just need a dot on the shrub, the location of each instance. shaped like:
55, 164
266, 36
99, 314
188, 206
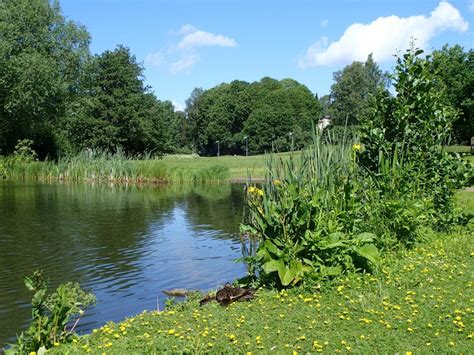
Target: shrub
51, 314
416, 123
310, 216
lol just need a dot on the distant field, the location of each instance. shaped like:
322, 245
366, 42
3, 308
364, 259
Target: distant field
458, 148
240, 167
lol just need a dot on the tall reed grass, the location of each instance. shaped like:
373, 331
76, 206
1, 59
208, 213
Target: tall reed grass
103, 166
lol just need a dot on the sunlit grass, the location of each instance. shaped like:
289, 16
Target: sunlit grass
417, 302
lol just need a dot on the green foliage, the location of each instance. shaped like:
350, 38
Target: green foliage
40, 57
454, 69
415, 124
312, 216
24, 151
266, 111
350, 99
115, 110
51, 315
113, 167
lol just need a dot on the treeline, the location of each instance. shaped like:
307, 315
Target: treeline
54, 93
262, 116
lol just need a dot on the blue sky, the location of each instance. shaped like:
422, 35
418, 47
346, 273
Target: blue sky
185, 44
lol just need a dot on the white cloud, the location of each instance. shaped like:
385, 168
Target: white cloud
184, 55
178, 106
324, 23
383, 37
196, 38
154, 59
184, 64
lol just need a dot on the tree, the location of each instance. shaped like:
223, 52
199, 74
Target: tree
266, 111
115, 109
41, 56
455, 69
410, 130
352, 90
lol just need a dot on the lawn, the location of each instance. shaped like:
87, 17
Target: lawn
420, 300
240, 167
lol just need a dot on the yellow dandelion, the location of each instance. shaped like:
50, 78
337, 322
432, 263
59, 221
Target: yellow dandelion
356, 147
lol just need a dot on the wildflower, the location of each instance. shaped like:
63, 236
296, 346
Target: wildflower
356, 147
171, 331
276, 182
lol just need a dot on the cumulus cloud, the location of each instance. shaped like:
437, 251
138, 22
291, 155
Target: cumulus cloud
383, 37
194, 38
182, 56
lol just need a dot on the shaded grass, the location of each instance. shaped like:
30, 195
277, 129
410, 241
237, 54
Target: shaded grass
419, 300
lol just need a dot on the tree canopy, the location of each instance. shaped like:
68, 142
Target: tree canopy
265, 111
352, 90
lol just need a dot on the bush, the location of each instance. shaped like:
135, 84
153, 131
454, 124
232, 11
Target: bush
310, 216
51, 314
415, 124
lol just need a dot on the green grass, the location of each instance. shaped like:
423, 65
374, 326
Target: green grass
174, 168
240, 167
458, 148
170, 168
420, 300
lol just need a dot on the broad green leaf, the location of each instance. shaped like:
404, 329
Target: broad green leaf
273, 265
369, 252
364, 238
286, 276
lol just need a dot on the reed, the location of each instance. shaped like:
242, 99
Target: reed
116, 167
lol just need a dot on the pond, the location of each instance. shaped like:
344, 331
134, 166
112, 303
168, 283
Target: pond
124, 244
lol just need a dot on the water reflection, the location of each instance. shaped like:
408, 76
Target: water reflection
125, 244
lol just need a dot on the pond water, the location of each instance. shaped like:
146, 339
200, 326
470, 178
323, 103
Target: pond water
124, 244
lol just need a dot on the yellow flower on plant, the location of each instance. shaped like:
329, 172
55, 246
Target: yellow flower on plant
356, 147
276, 182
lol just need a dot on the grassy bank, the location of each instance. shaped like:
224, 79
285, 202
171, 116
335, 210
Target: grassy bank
173, 168
420, 300
105, 167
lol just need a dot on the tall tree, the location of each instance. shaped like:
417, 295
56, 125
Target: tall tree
352, 90
455, 68
41, 56
116, 110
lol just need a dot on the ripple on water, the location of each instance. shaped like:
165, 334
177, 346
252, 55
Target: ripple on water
125, 245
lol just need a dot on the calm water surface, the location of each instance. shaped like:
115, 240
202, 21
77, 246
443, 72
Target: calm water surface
125, 244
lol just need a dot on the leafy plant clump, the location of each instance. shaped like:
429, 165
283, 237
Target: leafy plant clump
415, 124
333, 210
51, 315
312, 217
